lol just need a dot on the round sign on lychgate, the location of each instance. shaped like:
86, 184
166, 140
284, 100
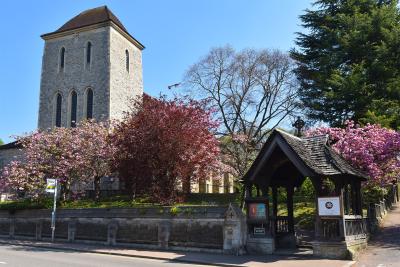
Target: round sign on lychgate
329, 206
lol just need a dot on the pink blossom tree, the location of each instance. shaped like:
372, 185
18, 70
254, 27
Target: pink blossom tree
96, 153
164, 143
76, 156
372, 148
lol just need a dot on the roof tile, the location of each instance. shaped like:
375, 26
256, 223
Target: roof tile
90, 17
319, 156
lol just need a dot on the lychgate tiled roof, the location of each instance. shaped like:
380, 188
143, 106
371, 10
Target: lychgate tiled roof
315, 152
319, 156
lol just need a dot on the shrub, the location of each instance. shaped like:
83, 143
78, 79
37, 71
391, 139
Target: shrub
373, 194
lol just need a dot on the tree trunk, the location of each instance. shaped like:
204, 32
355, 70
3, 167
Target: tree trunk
130, 189
96, 183
66, 191
186, 186
63, 193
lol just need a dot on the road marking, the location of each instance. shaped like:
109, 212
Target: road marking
3, 262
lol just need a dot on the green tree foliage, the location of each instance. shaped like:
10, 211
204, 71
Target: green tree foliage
348, 61
306, 191
1, 142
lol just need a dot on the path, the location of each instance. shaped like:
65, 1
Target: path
384, 248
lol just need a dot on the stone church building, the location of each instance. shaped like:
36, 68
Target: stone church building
91, 69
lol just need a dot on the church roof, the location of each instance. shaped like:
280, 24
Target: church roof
91, 17
11, 145
315, 152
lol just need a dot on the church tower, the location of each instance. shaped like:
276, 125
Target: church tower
91, 68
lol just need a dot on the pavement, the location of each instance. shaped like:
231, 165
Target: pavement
384, 248
164, 257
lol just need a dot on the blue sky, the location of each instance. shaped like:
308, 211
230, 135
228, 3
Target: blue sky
176, 34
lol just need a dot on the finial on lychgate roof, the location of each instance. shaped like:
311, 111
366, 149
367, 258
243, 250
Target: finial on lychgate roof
298, 124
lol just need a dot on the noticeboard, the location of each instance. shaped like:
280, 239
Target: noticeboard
329, 206
257, 211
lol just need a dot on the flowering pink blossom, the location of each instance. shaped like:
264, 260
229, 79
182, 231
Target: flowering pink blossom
164, 143
372, 148
76, 156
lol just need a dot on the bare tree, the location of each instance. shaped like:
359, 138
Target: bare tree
253, 91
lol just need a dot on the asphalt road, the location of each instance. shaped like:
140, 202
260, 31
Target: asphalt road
11, 255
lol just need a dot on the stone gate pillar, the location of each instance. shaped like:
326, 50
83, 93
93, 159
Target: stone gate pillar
235, 231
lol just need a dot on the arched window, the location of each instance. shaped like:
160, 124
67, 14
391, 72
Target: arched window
127, 60
62, 58
89, 104
88, 53
58, 110
74, 104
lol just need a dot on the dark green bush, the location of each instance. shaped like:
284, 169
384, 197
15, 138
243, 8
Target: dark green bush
206, 198
13, 206
373, 194
116, 202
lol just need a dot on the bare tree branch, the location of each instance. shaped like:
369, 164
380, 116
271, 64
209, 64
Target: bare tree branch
253, 91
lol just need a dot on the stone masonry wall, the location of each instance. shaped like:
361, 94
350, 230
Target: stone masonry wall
124, 85
8, 155
75, 76
213, 229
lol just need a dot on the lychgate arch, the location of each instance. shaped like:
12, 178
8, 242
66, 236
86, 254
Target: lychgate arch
285, 161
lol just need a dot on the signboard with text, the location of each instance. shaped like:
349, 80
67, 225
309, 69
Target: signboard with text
51, 185
257, 211
329, 206
259, 231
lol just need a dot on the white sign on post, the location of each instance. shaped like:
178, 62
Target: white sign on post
329, 206
51, 186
